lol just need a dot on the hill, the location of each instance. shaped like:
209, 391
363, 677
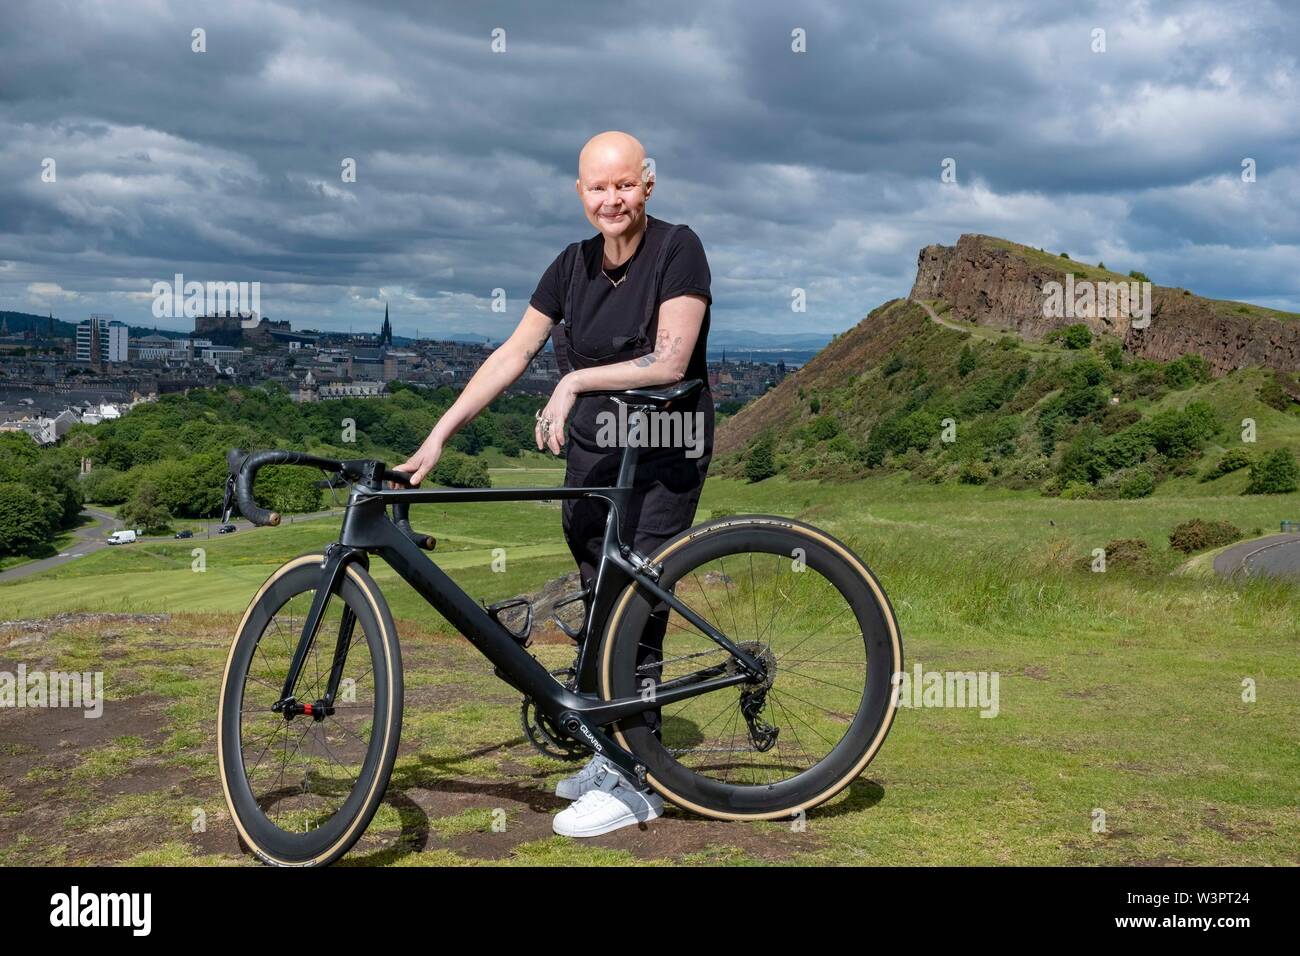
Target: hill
1073, 406
1000, 284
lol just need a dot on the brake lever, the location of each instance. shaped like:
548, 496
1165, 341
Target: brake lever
226, 499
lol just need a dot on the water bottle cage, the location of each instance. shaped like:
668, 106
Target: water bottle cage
575, 632
523, 634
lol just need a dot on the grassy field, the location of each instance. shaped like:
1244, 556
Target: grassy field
1120, 693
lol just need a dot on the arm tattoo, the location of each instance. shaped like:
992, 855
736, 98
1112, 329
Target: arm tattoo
662, 349
541, 344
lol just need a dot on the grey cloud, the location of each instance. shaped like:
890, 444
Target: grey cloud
818, 171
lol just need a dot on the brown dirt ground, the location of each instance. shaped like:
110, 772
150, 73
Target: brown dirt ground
49, 806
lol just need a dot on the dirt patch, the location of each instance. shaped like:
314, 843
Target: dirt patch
1215, 823
15, 633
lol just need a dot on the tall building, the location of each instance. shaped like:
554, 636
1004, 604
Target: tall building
386, 330
101, 339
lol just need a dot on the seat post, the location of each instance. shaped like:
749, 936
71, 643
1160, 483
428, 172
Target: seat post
627, 465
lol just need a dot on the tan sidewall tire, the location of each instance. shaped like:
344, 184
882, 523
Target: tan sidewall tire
392, 661
739, 523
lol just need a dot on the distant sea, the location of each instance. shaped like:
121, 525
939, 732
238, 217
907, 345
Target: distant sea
793, 358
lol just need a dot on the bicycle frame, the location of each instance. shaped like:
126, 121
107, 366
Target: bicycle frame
367, 530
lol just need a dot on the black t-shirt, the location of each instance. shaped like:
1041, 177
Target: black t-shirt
602, 310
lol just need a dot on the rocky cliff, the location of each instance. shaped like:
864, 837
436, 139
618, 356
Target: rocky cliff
1004, 285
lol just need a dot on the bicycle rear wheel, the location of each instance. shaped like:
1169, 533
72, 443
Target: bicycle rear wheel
302, 791
807, 607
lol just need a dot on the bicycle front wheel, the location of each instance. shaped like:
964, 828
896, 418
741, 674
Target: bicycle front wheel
811, 611
301, 791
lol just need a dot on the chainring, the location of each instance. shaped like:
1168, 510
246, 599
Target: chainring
546, 738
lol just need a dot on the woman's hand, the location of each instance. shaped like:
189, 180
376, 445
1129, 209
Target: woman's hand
423, 461
557, 413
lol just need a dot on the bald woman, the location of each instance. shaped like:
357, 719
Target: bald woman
627, 308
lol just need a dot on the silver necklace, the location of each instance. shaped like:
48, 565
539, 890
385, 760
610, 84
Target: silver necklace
620, 281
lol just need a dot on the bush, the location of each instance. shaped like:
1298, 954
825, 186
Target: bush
1186, 371
1140, 276
1077, 336
1118, 417
1139, 486
974, 473
1274, 474
1272, 394
1035, 469
1234, 459
1179, 434
966, 362
1201, 535
461, 471
1131, 554
1076, 489
823, 427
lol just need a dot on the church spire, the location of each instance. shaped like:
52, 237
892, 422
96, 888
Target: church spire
386, 331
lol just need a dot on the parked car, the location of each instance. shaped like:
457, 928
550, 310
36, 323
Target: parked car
185, 534
226, 529
122, 537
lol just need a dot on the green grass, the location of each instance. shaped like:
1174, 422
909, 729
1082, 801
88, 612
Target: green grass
1119, 692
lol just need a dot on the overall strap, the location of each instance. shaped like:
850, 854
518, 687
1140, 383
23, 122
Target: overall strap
652, 300
568, 287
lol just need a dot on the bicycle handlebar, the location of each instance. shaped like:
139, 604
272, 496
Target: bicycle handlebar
243, 466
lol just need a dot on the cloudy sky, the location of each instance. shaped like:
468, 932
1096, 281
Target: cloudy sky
818, 170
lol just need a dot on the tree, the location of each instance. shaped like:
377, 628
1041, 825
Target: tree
18, 453
760, 465
1274, 474
24, 521
143, 509
288, 490
966, 362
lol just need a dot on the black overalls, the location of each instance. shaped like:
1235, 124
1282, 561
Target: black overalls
667, 483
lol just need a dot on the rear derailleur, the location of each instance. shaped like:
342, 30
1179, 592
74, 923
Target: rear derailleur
752, 699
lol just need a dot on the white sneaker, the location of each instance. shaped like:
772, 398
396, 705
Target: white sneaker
609, 805
571, 788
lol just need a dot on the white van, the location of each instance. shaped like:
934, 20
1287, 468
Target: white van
122, 537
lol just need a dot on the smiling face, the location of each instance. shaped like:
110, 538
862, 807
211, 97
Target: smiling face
610, 184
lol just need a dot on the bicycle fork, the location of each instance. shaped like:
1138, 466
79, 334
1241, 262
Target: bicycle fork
337, 559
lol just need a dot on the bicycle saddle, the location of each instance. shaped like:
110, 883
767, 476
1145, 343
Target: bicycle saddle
656, 395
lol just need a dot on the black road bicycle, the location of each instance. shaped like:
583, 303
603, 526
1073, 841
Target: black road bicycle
772, 686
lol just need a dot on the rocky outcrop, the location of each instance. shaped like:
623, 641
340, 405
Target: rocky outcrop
1002, 285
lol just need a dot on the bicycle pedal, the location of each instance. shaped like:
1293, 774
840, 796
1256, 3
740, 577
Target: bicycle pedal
523, 635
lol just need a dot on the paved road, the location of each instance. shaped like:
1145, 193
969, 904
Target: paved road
1277, 555
90, 538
